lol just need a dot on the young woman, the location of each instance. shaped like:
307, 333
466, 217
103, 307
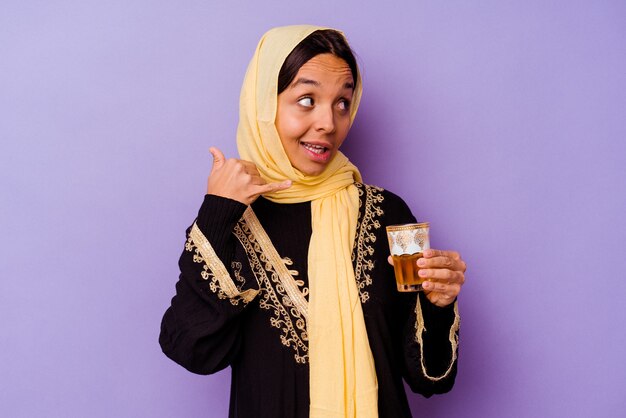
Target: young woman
285, 274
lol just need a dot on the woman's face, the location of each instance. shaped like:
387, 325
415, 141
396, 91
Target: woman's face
313, 117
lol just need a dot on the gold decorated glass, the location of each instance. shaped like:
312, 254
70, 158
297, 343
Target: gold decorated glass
407, 243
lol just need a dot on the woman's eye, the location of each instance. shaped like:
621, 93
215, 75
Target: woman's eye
344, 104
306, 101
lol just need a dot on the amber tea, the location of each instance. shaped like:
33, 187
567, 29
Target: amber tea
407, 244
405, 267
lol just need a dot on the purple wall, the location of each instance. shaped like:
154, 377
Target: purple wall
502, 124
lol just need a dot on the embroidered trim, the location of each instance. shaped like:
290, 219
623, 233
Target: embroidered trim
287, 280
221, 282
453, 337
274, 297
363, 252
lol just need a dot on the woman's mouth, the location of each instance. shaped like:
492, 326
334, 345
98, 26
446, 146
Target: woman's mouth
317, 149
316, 152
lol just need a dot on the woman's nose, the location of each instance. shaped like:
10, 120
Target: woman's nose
325, 120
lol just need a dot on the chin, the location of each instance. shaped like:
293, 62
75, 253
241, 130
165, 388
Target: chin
312, 173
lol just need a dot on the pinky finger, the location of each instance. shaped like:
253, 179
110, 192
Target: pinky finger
274, 187
434, 286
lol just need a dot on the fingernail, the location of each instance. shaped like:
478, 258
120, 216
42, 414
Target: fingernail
422, 273
421, 262
426, 285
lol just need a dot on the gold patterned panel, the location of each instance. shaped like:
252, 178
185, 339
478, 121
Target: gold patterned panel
370, 199
403, 241
221, 283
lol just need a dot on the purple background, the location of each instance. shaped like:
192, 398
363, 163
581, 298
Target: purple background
501, 123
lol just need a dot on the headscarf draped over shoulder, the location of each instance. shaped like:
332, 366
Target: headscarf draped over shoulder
342, 375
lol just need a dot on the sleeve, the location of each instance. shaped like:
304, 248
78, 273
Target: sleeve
430, 333
431, 337
200, 330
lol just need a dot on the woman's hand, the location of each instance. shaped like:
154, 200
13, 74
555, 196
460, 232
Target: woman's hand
444, 272
238, 179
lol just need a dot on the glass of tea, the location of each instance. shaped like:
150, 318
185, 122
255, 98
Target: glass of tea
407, 244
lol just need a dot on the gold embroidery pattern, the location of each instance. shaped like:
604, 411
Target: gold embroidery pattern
362, 254
221, 283
236, 267
453, 338
297, 296
287, 317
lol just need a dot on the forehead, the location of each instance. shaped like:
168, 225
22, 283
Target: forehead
326, 67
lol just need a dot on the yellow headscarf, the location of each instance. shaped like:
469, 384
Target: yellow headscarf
342, 374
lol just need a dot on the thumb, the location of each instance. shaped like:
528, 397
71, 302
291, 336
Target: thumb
218, 158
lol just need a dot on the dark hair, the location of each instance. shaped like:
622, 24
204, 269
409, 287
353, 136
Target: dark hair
326, 41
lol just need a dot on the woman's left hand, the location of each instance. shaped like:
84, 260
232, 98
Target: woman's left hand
444, 272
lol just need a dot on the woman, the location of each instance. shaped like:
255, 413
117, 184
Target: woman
285, 276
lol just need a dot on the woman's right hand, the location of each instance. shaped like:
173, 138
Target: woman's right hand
238, 179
